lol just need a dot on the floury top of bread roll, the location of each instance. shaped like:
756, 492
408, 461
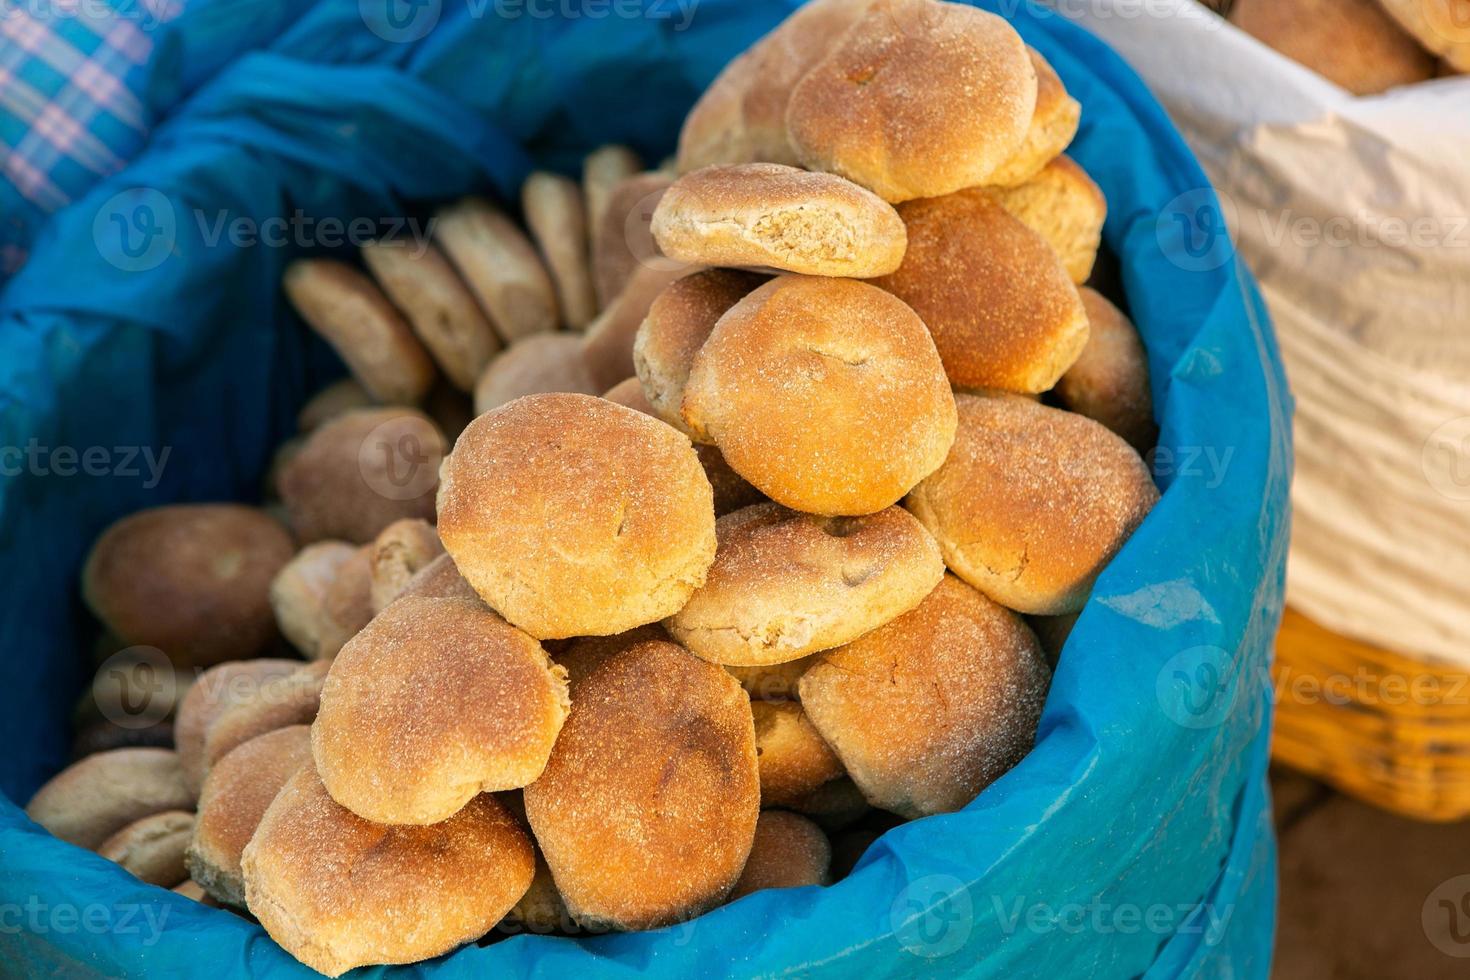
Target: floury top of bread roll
572, 516
766, 215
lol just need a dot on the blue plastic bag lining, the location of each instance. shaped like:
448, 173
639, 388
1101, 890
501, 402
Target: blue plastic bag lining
1134, 840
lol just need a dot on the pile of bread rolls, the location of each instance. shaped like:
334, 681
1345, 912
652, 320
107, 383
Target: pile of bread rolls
718, 583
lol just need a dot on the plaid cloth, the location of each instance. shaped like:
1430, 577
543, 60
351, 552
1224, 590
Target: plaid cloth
69, 111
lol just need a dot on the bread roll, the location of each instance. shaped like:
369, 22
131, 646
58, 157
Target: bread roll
216, 690
397, 555
1350, 42
1109, 383
435, 701
152, 849
647, 810
1065, 207
586, 653
771, 682
604, 169
89, 801
192, 580
995, 296
741, 117
500, 266
275, 703
625, 241
1441, 26
352, 315
766, 215
337, 891
933, 707
1033, 502
558, 222
336, 398
445, 316
917, 99
361, 472
607, 349
347, 605
538, 364
1052, 127
794, 761
439, 579
789, 851
572, 516
785, 584
679, 321
815, 426
298, 595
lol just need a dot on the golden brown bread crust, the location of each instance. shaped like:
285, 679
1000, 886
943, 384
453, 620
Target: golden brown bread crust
152, 849
799, 386
337, 891
298, 596
572, 516
917, 99
361, 472
786, 584
930, 709
995, 296
539, 363
275, 703
789, 851
771, 216
398, 554
794, 760
586, 653
1064, 206
499, 265
602, 171
1033, 502
90, 800
437, 700
1441, 26
556, 217
771, 682
440, 579
625, 242
444, 315
648, 808
1052, 127
336, 398
741, 117
347, 604
1109, 383
211, 696
607, 347
1353, 43
235, 796
676, 327
349, 311
192, 580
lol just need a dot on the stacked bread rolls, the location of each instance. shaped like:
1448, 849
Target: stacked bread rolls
607, 662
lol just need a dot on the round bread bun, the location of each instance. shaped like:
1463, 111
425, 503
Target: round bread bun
540, 363
275, 703
789, 851
917, 99
557, 220
602, 171
192, 580
336, 398
89, 801
798, 386
351, 314
933, 707
397, 555
439, 579
770, 216
647, 810
438, 305
337, 891
607, 349
235, 796
772, 682
834, 805
786, 584
347, 605
1052, 127
152, 849
678, 323
794, 761
499, 265
586, 653
741, 117
1064, 206
572, 516
1033, 502
1109, 382
298, 595
216, 690
1352, 43
995, 296
361, 472
437, 700
625, 242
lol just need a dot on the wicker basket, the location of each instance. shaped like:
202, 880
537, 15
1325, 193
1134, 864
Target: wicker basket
1378, 725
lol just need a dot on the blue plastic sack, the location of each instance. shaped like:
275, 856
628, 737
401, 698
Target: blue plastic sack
1134, 840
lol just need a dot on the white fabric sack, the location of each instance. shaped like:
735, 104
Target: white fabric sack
1354, 214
